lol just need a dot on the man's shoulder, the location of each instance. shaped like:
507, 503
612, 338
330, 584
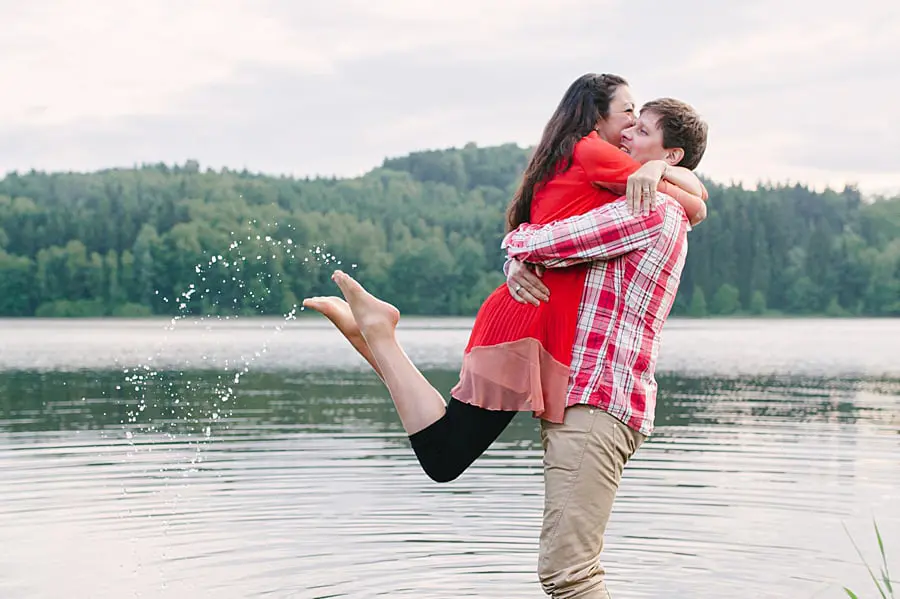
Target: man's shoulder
671, 205
674, 216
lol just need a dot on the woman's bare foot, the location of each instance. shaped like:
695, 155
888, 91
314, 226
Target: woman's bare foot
374, 317
418, 403
338, 312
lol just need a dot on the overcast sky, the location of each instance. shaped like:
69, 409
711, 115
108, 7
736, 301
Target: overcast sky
804, 90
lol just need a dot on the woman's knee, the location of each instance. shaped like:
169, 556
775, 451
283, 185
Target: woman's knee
447, 447
440, 465
442, 473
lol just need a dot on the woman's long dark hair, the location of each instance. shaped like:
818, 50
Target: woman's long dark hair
584, 103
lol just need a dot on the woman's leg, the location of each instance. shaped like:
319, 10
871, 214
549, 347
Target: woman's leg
449, 444
447, 447
338, 312
418, 403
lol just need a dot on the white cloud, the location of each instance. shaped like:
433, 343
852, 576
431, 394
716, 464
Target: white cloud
798, 92
77, 59
68, 60
792, 90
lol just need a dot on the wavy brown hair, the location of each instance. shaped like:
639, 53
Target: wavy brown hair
584, 103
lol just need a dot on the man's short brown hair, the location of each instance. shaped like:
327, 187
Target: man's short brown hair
682, 128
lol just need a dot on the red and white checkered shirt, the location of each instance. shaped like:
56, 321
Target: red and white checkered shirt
636, 265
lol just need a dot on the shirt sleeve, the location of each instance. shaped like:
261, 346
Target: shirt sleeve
604, 233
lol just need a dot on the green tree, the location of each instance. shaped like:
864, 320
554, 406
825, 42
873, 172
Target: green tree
113, 289
697, 308
834, 308
423, 231
757, 303
882, 296
422, 277
803, 296
17, 286
144, 274
726, 300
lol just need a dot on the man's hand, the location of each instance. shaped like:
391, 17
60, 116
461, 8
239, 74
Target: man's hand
640, 192
525, 284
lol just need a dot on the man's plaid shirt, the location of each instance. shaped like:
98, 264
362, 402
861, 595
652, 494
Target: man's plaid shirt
636, 264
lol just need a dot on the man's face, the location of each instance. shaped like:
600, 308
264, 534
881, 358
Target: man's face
644, 141
621, 116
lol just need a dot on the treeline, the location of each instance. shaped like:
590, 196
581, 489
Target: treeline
423, 231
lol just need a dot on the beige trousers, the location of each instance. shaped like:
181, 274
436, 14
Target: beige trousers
583, 462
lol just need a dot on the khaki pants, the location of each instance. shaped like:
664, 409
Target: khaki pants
583, 462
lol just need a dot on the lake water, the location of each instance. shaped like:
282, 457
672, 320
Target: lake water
129, 469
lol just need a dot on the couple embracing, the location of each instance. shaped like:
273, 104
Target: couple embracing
596, 242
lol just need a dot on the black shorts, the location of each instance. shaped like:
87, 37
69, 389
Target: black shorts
447, 447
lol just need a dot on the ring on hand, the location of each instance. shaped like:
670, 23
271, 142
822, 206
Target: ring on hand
518, 288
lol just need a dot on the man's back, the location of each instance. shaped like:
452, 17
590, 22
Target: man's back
625, 305
635, 269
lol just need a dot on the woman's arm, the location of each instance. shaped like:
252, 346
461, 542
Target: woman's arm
611, 168
686, 180
657, 174
694, 206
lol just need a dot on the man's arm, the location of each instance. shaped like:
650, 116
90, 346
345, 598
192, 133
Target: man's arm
604, 233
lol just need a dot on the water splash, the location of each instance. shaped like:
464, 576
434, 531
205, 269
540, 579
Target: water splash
246, 279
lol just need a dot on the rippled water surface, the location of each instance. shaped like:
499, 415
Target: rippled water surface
299, 482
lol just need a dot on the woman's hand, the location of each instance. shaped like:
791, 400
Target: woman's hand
640, 191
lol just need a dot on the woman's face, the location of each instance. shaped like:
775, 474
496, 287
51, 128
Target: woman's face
621, 116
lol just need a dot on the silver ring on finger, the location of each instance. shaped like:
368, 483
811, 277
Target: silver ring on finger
517, 289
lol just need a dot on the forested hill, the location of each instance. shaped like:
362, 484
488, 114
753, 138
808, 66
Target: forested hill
422, 230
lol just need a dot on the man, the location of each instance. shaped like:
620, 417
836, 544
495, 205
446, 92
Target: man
636, 264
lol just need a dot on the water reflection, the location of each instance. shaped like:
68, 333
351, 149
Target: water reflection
180, 402
304, 486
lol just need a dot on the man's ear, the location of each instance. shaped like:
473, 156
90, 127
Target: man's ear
674, 156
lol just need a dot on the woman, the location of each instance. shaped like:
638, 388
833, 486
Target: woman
517, 357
